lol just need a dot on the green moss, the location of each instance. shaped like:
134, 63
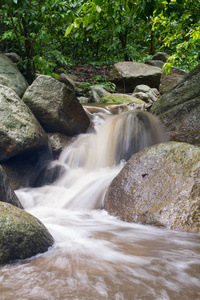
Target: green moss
120, 98
21, 234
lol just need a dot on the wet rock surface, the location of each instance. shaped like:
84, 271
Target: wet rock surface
21, 234
6, 193
159, 186
23, 170
58, 142
49, 175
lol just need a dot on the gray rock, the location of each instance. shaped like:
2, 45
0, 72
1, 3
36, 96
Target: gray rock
160, 56
155, 63
58, 142
127, 75
9, 71
50, 174
6, 193
64, 78
96, 93
14, 57
142, 96
56, 107
7, 82
21, 234
159, 186
170, 79
142, 88
146, 89
156, 92
83, 100
19, 129
179, 109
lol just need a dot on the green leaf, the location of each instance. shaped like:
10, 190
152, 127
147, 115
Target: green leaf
167, 67
77, 22
43, 9
54, 75
98, 8
69, 29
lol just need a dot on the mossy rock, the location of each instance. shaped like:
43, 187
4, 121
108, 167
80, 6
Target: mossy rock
120, 98
21, 234
179, 109
19, 129
11, 76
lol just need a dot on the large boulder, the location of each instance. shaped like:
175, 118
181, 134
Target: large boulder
56, 107
6, 193
19, 129
127, 75
179, 109
11, 76
21, 234
170, 79
159, 186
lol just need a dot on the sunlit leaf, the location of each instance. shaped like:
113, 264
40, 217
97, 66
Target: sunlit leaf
69, 29
98, 8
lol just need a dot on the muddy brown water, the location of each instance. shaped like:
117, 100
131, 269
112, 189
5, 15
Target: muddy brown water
97, 256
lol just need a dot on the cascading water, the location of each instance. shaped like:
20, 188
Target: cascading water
96, 256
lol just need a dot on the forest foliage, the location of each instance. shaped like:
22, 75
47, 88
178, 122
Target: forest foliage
52, 35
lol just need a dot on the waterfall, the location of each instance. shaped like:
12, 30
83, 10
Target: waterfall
94, 159
97, 256
117, 139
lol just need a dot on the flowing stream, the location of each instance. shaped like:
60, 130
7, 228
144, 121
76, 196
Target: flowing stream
96, 256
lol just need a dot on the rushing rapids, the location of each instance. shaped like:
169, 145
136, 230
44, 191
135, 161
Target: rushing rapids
96, 256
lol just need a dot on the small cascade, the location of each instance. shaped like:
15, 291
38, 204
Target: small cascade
117, 139
94, 159
97, 256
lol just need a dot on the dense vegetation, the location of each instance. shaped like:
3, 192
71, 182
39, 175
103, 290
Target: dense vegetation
52, 35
